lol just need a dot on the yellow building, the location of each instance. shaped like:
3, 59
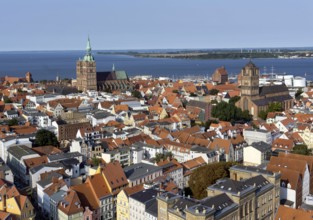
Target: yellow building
16, 204
122, 204
307, 136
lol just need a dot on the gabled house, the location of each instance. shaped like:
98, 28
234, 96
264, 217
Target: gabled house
70, 207
224, 148
256, 153
12, 201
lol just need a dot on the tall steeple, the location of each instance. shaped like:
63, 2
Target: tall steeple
88, 48
86, 73
88, 56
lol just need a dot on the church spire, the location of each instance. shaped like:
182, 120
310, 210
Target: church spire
88, 56
88, 48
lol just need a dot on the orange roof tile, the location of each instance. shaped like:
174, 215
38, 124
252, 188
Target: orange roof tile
71, 203
285, 213
36, 161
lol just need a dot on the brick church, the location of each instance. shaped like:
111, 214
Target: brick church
255, 98
89, 79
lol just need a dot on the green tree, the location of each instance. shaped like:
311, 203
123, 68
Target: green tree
175, 91
298, 93
213, 92
159, 157
193, 95
229, 112
234, 99
7, 100
263, 114
274, 107
301, 149
207, 175
96, 161
136, 94
208, 123
45, 137
13, 122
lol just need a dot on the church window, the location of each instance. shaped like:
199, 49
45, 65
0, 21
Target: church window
245, 104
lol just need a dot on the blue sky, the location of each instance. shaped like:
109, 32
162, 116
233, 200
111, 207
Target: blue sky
154, 24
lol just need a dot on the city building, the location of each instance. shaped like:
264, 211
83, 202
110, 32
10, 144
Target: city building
89, 79
257, 135
255, 98
142, 173
139, 202
86, 74
220, 75
256, 153
122, 205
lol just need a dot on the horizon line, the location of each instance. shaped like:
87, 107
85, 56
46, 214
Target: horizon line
178, 49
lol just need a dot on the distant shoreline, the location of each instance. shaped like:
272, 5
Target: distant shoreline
213, 55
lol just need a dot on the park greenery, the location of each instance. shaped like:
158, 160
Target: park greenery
207, 175
45, 138
229, 112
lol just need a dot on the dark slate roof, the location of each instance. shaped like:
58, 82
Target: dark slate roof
261, 146
222, 204
20, 151
152, 207
145, 195
112, 75
64, 156
139, 170
58, 196
60, 89
12, 112
266, 90
252, 169
182, 203
199, 104
234, 187
260, 182
102, 114
266, 101
48, 180
69, 162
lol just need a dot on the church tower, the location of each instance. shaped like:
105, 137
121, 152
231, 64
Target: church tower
86, 74
249, 80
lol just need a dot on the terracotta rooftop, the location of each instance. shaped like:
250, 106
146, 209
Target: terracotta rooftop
285, 213
46, 150
115, 175
194, 163
71, 204
36, 161
87, 194
131, 190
